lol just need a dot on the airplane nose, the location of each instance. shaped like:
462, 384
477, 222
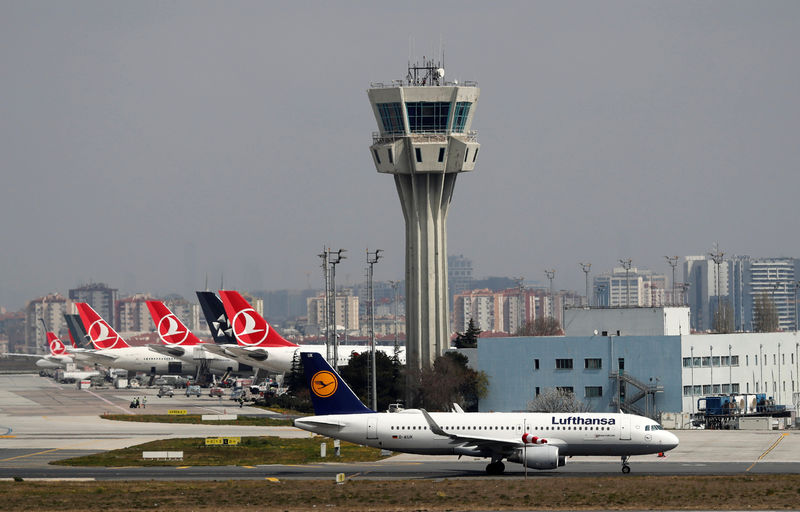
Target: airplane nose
670, 441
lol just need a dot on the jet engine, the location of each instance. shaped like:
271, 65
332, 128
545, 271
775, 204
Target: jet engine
542, 456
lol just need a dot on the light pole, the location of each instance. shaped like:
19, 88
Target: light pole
334, 258
626, 264
673, 262
372, 259
691, 354
550, 275
396, 343
761, 366
780, 388
325, 270
586, 267
730, 372
711, 366
796, 287
721, 321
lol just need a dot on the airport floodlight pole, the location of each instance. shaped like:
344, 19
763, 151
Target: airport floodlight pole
626, 264
324, 257
586, 267
598, 293
717, 258
551, 274
372, 259
684, 290
334, 258
673, 262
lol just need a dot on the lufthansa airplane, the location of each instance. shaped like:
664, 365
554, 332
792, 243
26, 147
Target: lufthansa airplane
538, 440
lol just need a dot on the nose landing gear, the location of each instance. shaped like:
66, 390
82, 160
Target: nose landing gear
625, 467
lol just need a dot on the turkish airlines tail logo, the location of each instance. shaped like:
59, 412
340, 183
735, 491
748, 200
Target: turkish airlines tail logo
57, 347
170, 329
101, 334
250, 328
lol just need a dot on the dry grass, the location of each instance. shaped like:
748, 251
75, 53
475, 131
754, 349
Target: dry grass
773, 492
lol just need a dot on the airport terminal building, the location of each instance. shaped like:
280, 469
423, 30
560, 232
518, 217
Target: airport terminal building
625, 365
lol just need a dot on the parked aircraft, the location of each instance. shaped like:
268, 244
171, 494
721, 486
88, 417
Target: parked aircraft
218, 323
537, 440
57, 358
113, 351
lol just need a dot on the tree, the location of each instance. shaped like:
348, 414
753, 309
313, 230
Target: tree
723, 318
468, 339
765, 314
557, 400
449, 381
542, 326
388, 377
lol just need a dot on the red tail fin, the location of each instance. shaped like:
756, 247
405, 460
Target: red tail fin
249, 327
57, 347
101, 334
169, 327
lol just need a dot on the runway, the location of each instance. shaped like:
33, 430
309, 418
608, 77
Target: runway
41, 421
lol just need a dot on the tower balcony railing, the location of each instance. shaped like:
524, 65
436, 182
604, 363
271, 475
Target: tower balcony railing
382, 138
406, 83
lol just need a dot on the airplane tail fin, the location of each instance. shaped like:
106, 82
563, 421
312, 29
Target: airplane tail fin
249, 327
218, 322
77, 333
169, 327
100, 332
329, 393
57, 347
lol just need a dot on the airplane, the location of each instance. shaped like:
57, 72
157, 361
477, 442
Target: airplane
57, 358
537, 440
261, 345
180, 342
114, 351
214, 312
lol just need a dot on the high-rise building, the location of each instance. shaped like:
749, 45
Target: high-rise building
424, 141
643, 288
346, 312
102, 299
51, 309
459, 274
133, 315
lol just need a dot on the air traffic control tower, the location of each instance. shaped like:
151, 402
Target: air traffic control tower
425, 142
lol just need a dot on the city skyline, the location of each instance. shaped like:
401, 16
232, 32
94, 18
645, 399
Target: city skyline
150, 145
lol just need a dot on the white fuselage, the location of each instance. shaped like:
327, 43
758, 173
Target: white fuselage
137, 359
280, 359
573, 433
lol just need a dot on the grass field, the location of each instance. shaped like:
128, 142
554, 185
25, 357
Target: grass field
763, 492
197, 418
250, 452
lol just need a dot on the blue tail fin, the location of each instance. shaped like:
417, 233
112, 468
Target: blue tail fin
329, 393
218, 322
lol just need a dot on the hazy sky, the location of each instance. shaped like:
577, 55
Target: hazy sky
147, 144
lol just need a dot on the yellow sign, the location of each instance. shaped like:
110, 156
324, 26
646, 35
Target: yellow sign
223, 441
324, 384
177, 411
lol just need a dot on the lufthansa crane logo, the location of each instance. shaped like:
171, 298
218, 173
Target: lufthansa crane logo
324, 384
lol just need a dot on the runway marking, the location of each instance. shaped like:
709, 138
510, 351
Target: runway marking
772, 447
107, 401
6, 437
30, 454
272, 479
183, 467
249, 467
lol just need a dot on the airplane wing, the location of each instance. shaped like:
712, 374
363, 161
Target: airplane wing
491, 444
257, 354
166, 350
38, 356
94, 358
318, 420
213, 348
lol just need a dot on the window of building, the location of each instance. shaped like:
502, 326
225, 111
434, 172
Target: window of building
475, 155
461, 115
377, 156
441, 154
535, 364
706, 389
687, 390
734, 360
747, 360
565, 389
428, 116
537, 390
696, 362
735, 387
716, 389
715, 361
593, 363
687, 362
563, 364
593, 391
391, 156
418, 153
706, 361
391, 117
466, 154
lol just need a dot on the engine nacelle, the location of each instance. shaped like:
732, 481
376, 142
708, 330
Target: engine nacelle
539, 457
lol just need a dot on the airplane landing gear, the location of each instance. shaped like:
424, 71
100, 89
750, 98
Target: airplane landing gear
625, 467
495, 468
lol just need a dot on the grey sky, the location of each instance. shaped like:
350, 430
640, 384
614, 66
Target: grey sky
147, 144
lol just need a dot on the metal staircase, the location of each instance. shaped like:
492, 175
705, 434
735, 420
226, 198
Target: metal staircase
640, 390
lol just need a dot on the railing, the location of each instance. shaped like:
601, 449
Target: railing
404, 83
381, 138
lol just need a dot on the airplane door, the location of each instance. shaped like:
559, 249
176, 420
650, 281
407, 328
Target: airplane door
372, 428
625, 427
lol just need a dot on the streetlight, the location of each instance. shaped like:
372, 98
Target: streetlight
711, 366
761, 366
550, 275
691, 354
721, 320
586, 267
396, 343
372, 259
334, 258
673, 262
730, 372
626, 264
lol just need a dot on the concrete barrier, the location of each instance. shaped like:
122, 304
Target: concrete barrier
219, 417
162, 455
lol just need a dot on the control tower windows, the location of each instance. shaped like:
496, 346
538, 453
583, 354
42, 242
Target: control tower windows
377, 156
418, 153
475, 155
461, 115
428, 116
391, 117
441, 154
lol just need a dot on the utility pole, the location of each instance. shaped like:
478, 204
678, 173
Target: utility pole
716, 257
673, 262
324, 257
626, 264
396, 342
372, 259
586, 267
550, 275
334, 258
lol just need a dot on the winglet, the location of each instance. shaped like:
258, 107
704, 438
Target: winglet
435, 428
330, 394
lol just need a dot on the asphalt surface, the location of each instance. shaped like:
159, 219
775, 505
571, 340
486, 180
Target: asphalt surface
42, 421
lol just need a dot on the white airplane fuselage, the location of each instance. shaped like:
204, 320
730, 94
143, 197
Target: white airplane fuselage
408, 431
280, 359
137, 359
